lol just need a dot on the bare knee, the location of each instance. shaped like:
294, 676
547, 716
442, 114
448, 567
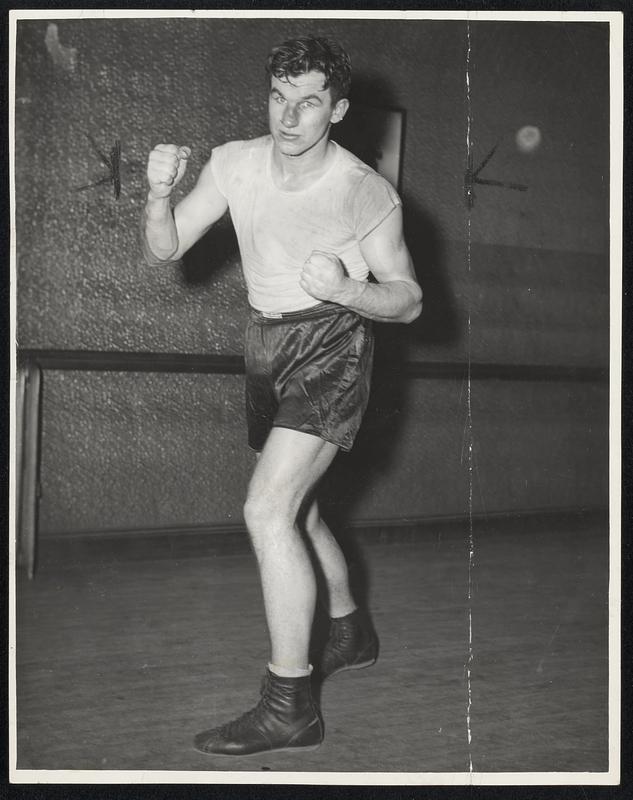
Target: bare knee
267, 512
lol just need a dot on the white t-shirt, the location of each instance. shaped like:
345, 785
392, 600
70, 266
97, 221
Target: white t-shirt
277, 230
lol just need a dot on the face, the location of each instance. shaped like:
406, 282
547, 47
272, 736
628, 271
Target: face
300, 112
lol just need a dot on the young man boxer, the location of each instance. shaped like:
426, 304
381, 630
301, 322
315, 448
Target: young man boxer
312, 222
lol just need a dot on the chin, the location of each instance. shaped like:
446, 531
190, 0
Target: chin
290, 149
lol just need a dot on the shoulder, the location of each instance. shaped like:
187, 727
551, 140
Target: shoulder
370, 198
360, 176
232, 163
242, 149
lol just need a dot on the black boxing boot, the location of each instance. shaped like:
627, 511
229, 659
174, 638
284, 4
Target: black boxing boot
352, 644
285, 718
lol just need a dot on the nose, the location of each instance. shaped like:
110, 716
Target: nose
289, 117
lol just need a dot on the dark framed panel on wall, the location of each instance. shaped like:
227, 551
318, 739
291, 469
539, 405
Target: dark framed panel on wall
376, 136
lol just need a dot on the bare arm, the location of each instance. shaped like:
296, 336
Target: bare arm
397, 297
166, 235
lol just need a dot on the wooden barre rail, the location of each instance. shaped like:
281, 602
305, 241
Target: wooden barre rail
200, 363
32, 362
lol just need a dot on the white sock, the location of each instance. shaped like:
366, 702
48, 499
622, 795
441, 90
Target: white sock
290, 672
346, 614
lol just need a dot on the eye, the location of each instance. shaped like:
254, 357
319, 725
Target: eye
307, 104
278, 98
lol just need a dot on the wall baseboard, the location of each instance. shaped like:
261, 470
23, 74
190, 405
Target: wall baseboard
389, 523
221, 364
79, 549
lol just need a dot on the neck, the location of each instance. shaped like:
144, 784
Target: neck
310, 162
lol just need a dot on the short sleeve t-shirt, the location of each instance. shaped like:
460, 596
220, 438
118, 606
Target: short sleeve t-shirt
277, 230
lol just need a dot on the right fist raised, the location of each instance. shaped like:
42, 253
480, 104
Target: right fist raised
165, 167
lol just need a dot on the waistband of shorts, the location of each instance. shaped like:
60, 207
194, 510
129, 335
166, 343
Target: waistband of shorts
321, 309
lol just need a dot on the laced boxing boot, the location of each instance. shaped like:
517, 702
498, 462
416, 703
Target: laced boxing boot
352, 644
285, 718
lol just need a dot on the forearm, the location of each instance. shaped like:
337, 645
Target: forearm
392, 301
159, 235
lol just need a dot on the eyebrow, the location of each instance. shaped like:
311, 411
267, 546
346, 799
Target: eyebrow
301, 99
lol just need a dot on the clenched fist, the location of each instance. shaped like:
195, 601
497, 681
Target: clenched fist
165, 167
323, 276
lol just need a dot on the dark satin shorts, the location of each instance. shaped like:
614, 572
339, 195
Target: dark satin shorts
310, 371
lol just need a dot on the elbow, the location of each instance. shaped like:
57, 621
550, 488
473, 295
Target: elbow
412, 314
414, 308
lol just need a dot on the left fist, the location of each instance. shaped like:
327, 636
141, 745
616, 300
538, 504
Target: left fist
323, 276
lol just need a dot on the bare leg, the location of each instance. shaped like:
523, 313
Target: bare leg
332, 561
286, 716
352, 642
290, 465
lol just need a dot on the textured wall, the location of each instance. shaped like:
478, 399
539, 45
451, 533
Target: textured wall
162, 451
532, 287
144, 449
535, 446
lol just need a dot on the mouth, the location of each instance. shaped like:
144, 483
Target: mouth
288, 137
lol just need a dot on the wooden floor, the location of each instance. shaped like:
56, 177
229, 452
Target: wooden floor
124, 652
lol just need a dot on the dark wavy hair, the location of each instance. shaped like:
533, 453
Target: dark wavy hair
298, 56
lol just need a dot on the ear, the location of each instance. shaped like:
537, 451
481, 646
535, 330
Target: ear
340, 109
